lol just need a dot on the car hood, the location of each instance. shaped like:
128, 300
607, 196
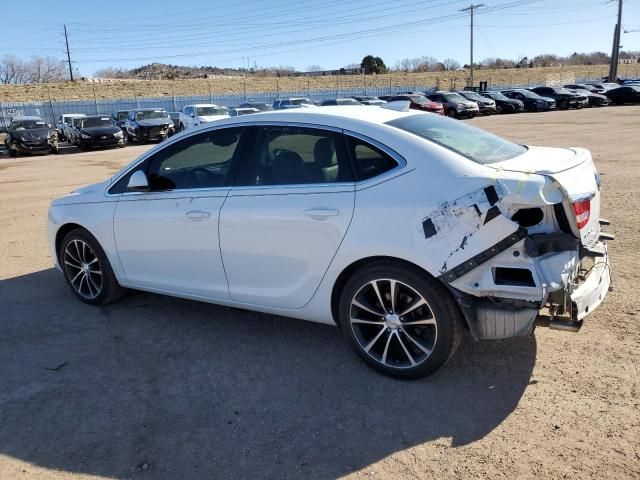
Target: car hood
542, 160
101, 130
31, 134
211, 118
89, 194
154, 122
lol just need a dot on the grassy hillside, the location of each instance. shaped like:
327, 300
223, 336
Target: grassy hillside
238, 85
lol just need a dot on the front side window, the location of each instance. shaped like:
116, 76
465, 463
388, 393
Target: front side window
470, 142
199, 161
297, 156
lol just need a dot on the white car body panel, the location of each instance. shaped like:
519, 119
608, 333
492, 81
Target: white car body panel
187, 121
282, 249
169, 241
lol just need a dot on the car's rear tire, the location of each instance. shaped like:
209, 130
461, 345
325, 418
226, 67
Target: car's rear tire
451, 112
419, 329
13, 153
87, 270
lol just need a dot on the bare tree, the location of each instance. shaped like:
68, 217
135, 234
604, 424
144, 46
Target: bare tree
111, 72
314, 68
45, 70
450, 64
12, 69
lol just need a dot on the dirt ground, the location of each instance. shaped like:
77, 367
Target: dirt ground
161, 388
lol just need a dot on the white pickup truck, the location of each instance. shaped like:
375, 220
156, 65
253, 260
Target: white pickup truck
192, 115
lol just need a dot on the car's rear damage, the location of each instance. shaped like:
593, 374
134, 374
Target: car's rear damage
526, 249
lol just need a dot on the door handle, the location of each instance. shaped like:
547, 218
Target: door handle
195, 214
321, 213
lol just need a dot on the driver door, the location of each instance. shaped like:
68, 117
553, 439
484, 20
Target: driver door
167, 238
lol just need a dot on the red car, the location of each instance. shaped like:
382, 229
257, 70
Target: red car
418, 102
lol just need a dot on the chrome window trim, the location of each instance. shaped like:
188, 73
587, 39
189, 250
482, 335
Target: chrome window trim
362, 183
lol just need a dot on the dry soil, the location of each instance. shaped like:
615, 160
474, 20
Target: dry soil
161, 388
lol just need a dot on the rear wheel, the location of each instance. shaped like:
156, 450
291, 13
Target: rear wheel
400, 321
87, 270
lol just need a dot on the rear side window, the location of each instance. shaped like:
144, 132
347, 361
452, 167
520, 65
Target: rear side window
289, 155
368, 160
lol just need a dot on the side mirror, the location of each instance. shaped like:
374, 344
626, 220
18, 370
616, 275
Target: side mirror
138, 182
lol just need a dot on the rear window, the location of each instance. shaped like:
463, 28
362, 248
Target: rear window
470, 142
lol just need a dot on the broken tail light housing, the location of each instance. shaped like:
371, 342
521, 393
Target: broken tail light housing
582, 210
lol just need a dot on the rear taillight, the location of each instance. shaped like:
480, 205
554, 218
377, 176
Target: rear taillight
582, 210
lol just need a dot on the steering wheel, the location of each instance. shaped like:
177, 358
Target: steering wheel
202, 177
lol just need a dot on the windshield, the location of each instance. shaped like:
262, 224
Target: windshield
29, 124
562, 90
301, 101
470, 142
348, 101
472, 96
207, 111
420, 99
527, 93
454, 97
150, 114
496, 96
95, 122
122, 116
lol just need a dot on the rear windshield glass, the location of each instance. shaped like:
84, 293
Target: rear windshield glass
471, 142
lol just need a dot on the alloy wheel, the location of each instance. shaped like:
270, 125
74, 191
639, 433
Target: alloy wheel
393, 323
83, 269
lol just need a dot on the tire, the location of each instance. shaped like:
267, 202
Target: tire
180, 127
451, 113
396, 345
13, 153
498, 110
78, 265
55, 150
564, 105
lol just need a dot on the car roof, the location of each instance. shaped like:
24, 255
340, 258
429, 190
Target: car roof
147, 109
73, 115
104, 115
338, 116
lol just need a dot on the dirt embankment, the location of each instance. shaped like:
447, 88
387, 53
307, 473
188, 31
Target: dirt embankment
238, 85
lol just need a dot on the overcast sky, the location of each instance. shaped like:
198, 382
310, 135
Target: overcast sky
329, 33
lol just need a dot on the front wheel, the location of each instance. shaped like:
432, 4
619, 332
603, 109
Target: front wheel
451, 113
400, 321
87, 270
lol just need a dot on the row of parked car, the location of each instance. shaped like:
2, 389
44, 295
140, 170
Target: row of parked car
142, 125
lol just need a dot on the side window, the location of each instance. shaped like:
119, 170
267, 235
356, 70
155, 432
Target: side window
199, 161
297, 156
369, 161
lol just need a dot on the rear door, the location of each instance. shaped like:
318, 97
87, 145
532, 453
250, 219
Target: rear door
283, 222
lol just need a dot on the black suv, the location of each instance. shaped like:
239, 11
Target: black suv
564, 98
147, 124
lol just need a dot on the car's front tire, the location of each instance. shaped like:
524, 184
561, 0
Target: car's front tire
87, 270
399, 320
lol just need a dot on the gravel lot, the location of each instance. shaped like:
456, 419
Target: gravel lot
156, 387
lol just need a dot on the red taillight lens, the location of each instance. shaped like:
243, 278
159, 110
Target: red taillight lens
583, 211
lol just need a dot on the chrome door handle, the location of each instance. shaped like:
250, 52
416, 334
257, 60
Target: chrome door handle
198, 214
321, 212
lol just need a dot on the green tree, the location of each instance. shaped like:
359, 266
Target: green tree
373, 64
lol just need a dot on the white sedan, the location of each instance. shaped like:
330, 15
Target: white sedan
401, 227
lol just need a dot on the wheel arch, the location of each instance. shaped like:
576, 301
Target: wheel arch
63, 231
349, 270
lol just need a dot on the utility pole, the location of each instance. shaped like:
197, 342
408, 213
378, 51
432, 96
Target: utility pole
615, 51
471, 9
66, 41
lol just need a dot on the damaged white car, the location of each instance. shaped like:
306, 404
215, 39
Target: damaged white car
401, 227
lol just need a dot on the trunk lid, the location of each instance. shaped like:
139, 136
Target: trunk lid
574, 173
